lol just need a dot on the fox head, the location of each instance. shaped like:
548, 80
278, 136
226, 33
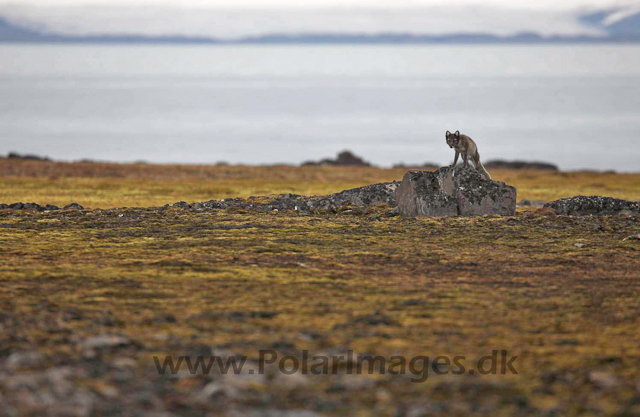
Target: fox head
452, 138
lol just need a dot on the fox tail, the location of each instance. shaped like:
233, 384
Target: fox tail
481, 168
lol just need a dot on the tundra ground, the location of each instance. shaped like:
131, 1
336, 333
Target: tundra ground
560, 293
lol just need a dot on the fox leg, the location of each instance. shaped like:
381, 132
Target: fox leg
455, 160
464, 159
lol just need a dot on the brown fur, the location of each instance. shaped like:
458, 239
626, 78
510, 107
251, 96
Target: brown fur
466, 147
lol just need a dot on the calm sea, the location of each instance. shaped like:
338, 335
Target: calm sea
576, 106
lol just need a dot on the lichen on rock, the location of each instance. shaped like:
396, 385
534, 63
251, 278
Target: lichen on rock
370, 195
459, 191
594, 205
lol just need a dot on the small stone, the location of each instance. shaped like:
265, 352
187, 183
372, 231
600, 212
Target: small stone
32, 206
632, 237
214, 390
532, 203
294, 380
603, 379
24, 360
393, 212
106, 390
73, 206
106, 342
124, 363
580, 245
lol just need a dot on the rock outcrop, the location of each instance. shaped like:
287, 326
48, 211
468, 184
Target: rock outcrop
594, 205
369, 195
453, 192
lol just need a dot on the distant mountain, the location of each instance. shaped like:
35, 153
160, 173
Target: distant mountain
623, 30
13, 33
394, 38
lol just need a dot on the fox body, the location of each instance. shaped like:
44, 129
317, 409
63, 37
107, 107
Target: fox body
466, 147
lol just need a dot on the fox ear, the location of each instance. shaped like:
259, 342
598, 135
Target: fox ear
446, 135
457, 133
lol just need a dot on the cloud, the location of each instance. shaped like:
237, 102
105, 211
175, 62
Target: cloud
193, 18
333, 4
620, 15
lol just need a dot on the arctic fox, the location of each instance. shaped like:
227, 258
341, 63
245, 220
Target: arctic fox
464, 145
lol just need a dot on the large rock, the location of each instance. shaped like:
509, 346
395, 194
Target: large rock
453, 192
369, 195
594, 205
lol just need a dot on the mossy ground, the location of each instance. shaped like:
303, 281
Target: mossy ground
363, 280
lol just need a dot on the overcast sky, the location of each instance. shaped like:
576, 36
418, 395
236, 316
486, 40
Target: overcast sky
529, 4
237, 18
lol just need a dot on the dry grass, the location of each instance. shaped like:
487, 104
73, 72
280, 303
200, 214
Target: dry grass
102, 185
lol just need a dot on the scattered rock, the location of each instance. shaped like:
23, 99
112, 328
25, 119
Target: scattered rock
291, 381
345, 158
393, 212
162, 318
603, 379
369, 320
632, 237
51, 392
501, 164
532, 203
106, 341
262, 412
29, 206
213, 391
71, 313
181, 204
24, 360
375, 320
351, 383
38, 207
580, 245
594, 205
453, 192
